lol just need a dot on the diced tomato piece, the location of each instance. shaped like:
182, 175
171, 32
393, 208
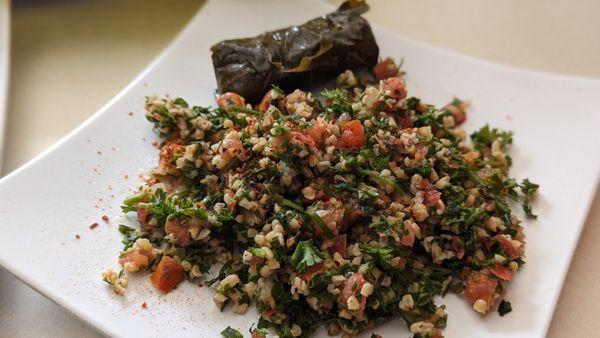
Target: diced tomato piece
404, 121
459, 116
355, 215
168, 273
408, 237
480, 286
457, 247
395, 87
144, 217
135, 260
433, 197
312, 271
352, 287
421, 151
339, 245
180, 232
315, 133
268, 313
363, 302
230, 99
318, 131
457, 111
265, 103
297, 136
231, 148
385, 68
352, 136
471, 156
436, 334
503, 272
319, 184
356, 212
507, 246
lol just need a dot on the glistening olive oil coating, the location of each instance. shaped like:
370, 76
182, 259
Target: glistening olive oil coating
342, 209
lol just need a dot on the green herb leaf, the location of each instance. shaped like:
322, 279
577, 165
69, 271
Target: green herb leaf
287, 203
381, 255
319, 221
181, 102
504, 308
257, 251
528, 188
484, 137
130, 235
339, 101
231, 333
245, 110
306, 255
129, 202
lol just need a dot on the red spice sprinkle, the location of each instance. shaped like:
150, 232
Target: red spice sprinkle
77, 236
105, 218
93, 226
144, 305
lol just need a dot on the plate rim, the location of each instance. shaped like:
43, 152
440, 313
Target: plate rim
103, 329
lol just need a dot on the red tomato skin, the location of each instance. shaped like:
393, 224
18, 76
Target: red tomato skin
135, 258
230, 99
180, 232
352, 135
298, 136
144, 217
352, 287
502, 272
507, 246
339, 245
459, 117
265, 103
385, 68
433, 197
312, 271
168, 273
480, 286
396, 88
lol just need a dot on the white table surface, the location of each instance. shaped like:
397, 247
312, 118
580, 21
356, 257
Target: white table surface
70, 57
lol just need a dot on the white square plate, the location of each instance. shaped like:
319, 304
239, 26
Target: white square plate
44, 204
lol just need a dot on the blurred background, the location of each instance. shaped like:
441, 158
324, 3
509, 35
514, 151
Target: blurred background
69, 57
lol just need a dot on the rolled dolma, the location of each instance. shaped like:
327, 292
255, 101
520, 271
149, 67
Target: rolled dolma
298, 56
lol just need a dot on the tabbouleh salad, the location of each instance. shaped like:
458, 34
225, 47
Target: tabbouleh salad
343, 209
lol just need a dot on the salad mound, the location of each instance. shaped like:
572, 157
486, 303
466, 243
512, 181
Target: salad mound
343, 209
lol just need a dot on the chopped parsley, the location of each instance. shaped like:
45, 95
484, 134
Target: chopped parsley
231, 333
306, 255
504, 308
